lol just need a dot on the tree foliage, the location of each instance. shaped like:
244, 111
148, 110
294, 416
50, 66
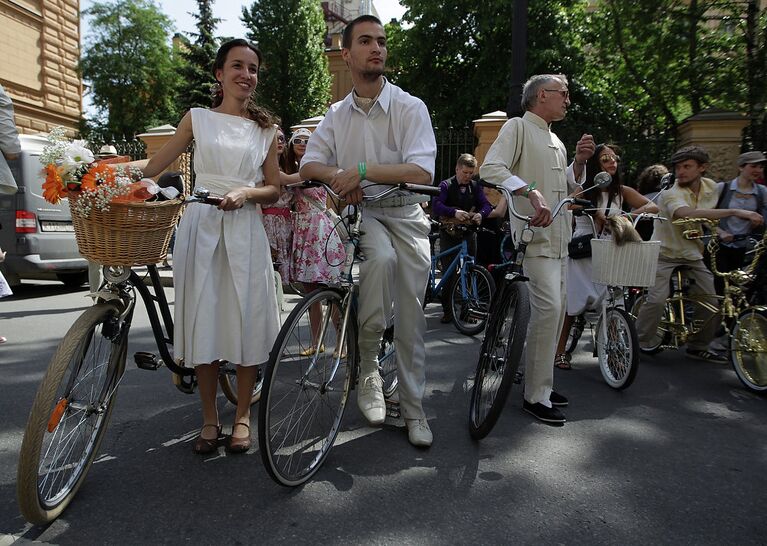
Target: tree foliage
198, 55
130, 67
294, 80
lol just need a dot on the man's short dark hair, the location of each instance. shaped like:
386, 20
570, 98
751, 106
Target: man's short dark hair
346, 40
696, 153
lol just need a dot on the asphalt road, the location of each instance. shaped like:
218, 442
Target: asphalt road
680, 457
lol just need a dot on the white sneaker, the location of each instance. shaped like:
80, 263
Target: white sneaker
419, 433
370, 398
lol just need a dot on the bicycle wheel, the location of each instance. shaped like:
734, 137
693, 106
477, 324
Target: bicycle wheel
748, 349
663, 334
70, 413
387, 363
303, 401
228, 382
576, 330
470, 311
499, 357
617, 348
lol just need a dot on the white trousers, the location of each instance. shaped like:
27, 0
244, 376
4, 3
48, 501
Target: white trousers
393, 278
548, 280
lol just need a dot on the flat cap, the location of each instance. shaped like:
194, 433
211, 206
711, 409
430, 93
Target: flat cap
751, 157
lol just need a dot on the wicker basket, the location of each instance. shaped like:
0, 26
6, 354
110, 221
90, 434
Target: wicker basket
631, 264
127, 234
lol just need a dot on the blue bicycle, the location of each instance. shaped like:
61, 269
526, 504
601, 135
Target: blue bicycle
470, 286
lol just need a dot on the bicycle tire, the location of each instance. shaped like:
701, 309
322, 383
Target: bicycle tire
387, 363
576, 331
618, 355
70, 413
295, 386
662, 336
228, 382
499, 357
747, 349
470, 314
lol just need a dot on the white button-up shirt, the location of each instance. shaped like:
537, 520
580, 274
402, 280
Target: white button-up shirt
396, 131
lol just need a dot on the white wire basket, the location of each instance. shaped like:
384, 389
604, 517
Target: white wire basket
630, 264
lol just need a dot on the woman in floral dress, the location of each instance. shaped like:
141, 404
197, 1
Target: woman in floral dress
277, 221
318, 253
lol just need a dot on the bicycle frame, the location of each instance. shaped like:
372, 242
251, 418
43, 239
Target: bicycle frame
462, 257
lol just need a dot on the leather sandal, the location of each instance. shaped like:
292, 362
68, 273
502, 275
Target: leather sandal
204, 446
238, 445
562, 361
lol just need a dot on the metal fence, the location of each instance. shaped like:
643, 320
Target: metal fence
451, 143
134, 148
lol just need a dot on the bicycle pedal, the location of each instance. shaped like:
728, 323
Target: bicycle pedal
147, 361
392, 409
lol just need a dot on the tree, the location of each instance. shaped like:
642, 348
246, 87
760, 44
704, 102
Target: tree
129, 65
455, 54
294, 80
199, 56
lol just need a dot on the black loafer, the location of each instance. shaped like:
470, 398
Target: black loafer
551, 416
557, 400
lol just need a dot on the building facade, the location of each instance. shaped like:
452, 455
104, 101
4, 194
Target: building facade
40, 50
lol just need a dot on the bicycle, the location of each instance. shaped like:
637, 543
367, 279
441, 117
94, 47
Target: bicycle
621, 269
745, 323
76, 397
504, 340
471, 290
307, 380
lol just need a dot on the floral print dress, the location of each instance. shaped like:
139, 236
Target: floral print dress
318, 253
279, 231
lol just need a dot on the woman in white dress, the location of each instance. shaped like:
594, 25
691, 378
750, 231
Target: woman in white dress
582, 294
226, 304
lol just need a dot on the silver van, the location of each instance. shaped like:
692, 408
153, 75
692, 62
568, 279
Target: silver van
38, 237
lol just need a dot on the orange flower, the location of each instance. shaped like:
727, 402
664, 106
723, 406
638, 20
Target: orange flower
97, 175
53, 187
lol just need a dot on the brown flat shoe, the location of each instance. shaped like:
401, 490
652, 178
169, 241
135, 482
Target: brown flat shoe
205, 446
238, 445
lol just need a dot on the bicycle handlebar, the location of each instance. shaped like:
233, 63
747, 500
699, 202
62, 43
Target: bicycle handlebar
513, 211
401, 186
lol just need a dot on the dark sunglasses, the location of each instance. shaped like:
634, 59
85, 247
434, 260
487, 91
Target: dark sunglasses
300, 141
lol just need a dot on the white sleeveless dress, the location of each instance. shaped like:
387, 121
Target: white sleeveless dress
582, 294
226, 303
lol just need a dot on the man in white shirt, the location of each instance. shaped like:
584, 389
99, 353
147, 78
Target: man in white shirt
379, 134
527, 154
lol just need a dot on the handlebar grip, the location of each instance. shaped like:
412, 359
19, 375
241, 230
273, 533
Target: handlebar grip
582, 202
485, 184
419, 188
212, 200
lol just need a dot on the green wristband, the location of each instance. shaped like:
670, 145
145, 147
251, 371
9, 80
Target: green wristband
530, 187
362, 170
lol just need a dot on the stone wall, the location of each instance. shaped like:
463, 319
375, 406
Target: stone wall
40, 49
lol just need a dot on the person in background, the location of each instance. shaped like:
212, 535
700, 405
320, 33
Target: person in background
277, 221
318, 253
461, 200
10, 146
648, 184
691, 196
742, 193
582, 294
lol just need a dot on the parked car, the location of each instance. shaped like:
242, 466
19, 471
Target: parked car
38, 237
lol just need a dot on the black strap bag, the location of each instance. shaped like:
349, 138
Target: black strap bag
580, 247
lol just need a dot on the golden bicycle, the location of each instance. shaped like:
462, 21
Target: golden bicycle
745, 323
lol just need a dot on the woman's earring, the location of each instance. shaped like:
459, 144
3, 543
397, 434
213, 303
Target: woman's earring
216, 90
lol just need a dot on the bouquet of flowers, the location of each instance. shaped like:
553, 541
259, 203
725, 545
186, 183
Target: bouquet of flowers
70, 168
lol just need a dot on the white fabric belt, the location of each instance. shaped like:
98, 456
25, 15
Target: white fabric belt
220, 185
398, 201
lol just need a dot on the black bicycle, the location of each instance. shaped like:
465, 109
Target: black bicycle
76, 397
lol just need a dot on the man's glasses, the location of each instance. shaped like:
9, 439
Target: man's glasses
301, 141
609, 158
564, 92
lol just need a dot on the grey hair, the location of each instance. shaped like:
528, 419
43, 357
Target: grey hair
534, 84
